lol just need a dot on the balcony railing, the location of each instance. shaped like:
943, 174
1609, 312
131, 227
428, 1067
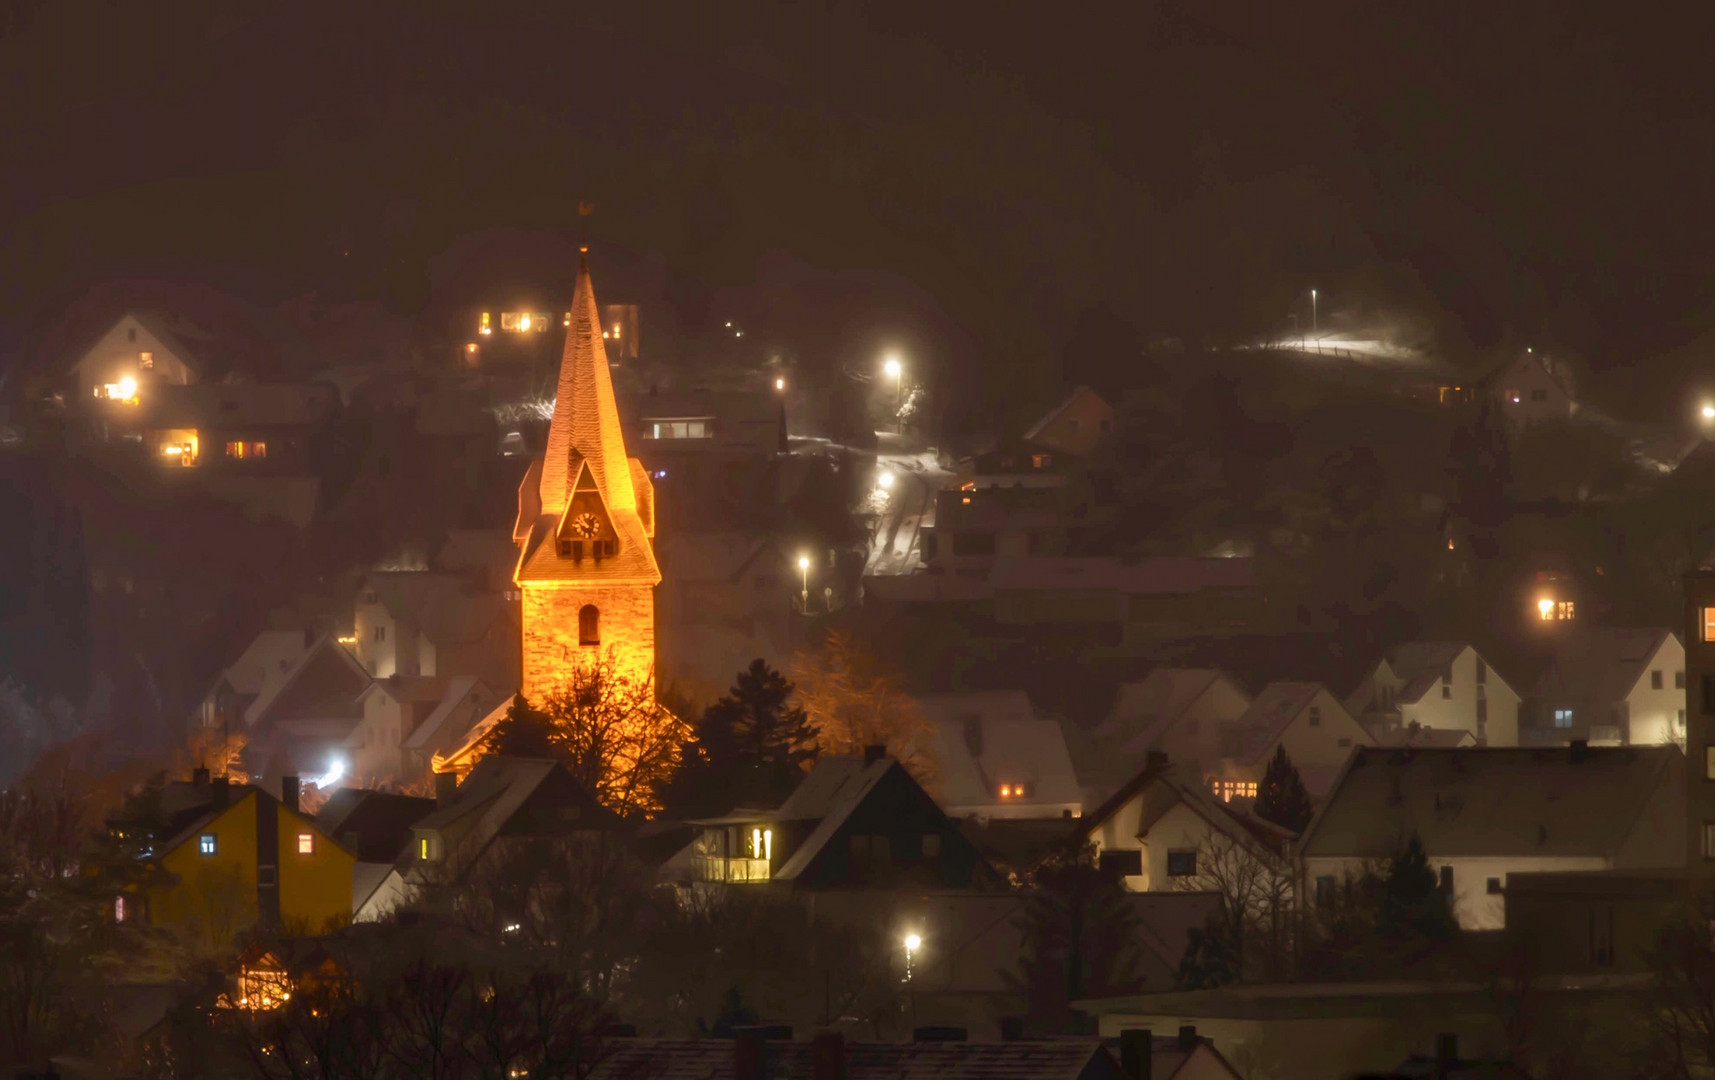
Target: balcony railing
733, 871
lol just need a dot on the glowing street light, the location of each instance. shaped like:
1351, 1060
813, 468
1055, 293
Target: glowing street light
896, 371
523, 322
804, 570
779, 384
1546, 607
1709, 412
884, 481
1313, 329
913, 942
127, 388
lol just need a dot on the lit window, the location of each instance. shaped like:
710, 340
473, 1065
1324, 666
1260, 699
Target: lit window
118, 909
206, 843
487, 327
306, 843
423, 848
1709, 624
146, 361
1562, 718
246, 448
1041, 461
1181, 864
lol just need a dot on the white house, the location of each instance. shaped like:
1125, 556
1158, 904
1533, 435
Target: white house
1176, 711
1483, 814
1437, 685
1535, 387
137, 352
1613, 686
1161, 833
427, 622
998, 759
1317, 732
408, 719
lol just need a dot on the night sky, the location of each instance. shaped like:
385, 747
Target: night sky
981, 180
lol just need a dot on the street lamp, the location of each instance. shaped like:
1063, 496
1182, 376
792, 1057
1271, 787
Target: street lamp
913, 942
896, 371
804, 571
1313, 329
884, 481
780, 384
1709, 412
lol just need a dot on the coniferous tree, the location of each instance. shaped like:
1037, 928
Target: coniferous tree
1283, 798
749, 747
1411, 905
524, 732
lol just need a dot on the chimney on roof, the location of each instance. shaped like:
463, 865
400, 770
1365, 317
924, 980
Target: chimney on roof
1446, 1054
1188, 1038
873, 754
1579, 750
1136, 1046
289, 788
199, 776
446, 787
828, 1056
222, 791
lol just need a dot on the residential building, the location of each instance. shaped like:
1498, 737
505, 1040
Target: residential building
409, 719
942, 1054
301, 724
259, 669
1534, 387
1485, 814
236, 428
1076, 426
976, 525
375, 826
142, 351
1611, 686
505, 806
1164, 833
851, 823
586, 525
1436, 686
1699, 734
666, 426
248, 859
998, 759
1316, 731
428, 623
1016, 463
1179, 712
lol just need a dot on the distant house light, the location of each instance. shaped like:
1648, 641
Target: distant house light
306, 843
206, 843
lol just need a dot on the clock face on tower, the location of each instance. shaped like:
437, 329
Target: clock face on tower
586, 525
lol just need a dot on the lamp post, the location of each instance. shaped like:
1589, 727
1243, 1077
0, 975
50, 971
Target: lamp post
1314, 330
896, 371
804, 572
913, 942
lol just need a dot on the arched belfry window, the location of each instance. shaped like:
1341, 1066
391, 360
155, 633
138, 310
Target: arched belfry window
589, 625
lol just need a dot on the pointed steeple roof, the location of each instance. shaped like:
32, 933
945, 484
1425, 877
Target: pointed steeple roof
586, 418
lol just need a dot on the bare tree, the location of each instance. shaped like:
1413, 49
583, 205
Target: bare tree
1255, 889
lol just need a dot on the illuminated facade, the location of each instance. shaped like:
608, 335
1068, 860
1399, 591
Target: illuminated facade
586, 525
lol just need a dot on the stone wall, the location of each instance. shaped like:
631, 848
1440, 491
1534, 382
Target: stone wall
551, 649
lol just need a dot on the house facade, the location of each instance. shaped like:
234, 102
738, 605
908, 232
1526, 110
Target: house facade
1485, 814
250, 859
1076, 426
1161, 833
1533, 388
1612, 686
998, 759
1444, 686
138, 353
1303, 718
1177, 711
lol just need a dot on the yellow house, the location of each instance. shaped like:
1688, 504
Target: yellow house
250, 859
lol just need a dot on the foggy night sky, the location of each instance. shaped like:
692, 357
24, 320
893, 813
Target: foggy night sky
982, 176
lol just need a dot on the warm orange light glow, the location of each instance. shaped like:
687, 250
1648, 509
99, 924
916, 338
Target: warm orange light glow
523, 322
348, 639
779, 384
1546, 607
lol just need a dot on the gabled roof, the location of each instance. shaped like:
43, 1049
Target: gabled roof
1270, 714
408, 688
701, 1059
266, 661
182, 340
1600, 664
1077, 394
992, 737
323, 684
493, 795
375, 824
463, 704
837, 800
1420, 665
1157, 703
1486, 801
236, 794
1242, 826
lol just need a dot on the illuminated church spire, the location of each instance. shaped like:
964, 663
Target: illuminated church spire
586, 418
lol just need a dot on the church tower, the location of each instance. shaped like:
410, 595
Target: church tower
586, 522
